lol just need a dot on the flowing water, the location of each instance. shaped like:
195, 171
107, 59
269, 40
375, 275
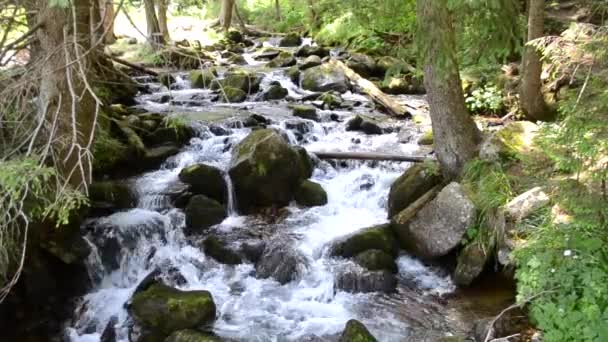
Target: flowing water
128, 245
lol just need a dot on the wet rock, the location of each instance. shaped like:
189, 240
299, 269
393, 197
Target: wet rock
237, 60
331, 101
109, 196
166, 135
405, 136
376, 260
247, 81
310, 62
300, 127
233, 95
191, 336
155, 156
355, 279
166, 79
362, 64
364, 124
324, 78
471, 262
163, 310
438, 227
526, 204
109, 334
280, 261
219, 250
275, 92
290, 40
307, 50
253, 250
234, 36
305, 112
294, 74
306, 160
355, 331
219, 130
203, 212
205, 180
284, 59
202, 78
310, 194
266, 170
267, 54
426, 139
311, 338
378, 237
411, 185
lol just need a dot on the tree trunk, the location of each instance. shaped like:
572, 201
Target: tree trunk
530, 93
314, 18
68, 109
162, 19
108, 21
455, 134
155, 37
277, 8
97, 28
226, 14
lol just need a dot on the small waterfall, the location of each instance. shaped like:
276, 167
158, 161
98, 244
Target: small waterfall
231, 206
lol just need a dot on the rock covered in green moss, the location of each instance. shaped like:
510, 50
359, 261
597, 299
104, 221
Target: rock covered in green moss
410, 186
247, 81
166, 79
310, 62
376, 260
308, 50
294, 74
203, 212
111, 195
234, 36
163, 310
378, 237
355, 331
219, 250
284, 59
266, 170
310, 194
237, 60
362, 64
275, 92
426, 138
233, 95
202, 78
205, 180
324, 78
190, 335
471, 262
364, 124
290, 40
305, 112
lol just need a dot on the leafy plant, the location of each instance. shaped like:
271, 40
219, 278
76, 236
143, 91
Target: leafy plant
485, 100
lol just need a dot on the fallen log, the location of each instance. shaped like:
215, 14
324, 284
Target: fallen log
368, 87
370, 156
133, 66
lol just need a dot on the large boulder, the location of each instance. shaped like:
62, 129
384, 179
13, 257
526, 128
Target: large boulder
307, 50
526, 204
324, 78
266, 170
362, 64
110, 196
305, 112
203, 212
376, 260
364, 124
162, 310
220, 250
431, 228
233, 95
411, 185
291, 40
310, 62
275, 92
378, 237
356, 279
280, 261
471, 262
355, 331
247, 81
310, 194
202, 78
284, 59
190, 335
205, 180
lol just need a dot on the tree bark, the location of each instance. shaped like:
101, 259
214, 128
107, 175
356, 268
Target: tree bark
455, 134
277, 8
155, 37
314, 18
530, 93
108, 13
64, 103
226, 14
162, 19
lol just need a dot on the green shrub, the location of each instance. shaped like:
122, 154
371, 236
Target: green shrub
485, 100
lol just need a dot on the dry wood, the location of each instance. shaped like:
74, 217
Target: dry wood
133, 66
370, 156
368, 87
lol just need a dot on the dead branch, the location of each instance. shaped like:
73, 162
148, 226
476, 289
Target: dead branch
370, 156
133, 65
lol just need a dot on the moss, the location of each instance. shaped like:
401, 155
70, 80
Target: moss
202, 78
378, 237
376, 260
355, 331
108, 152
310, 194
426, 138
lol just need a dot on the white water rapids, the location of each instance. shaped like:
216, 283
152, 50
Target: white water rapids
250, 309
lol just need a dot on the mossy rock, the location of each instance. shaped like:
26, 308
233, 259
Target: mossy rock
376, 260
234, 36
294, 74
306, 160
233, 95
411, 185
162, 309
267, 53
290, 40
166, 79
310, 62
266, 170
307, 50
471, 262
362, 64
364, 124
190, 335
111, 195
165, 135
284, 59
202, 78
509, 142
237, 59
378, 237
249, 82
355, 331
426, 139
205, 180
305, 112
218, 249
275, 92
331, 101
324, 78
203, 212
310, 194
